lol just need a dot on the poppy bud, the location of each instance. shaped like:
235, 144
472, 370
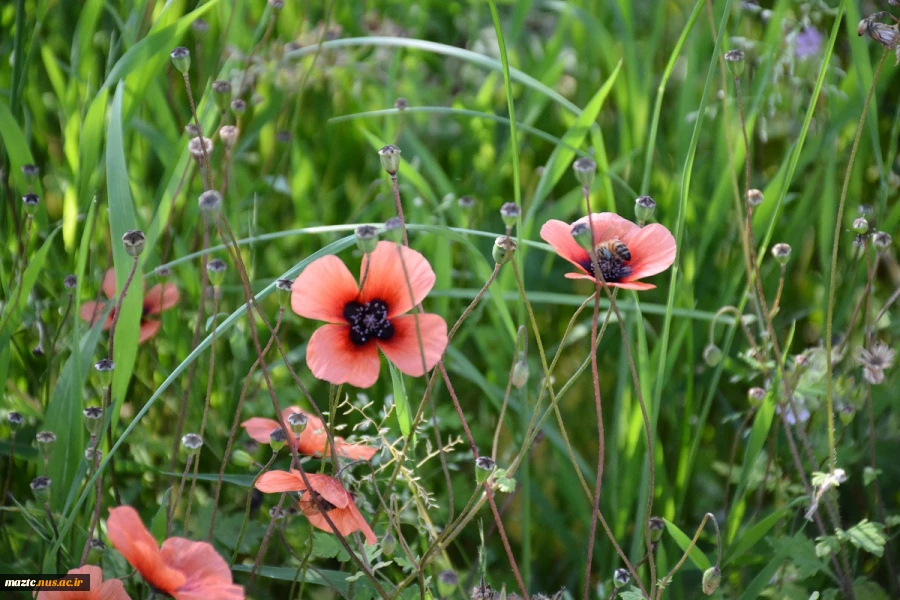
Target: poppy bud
69, 282
712, 577
390, 159
881, 240
181, 59
192, 130
96, 550
45, 441
388, 544
621, 578
656, 526
200, 27
581, 231
297, 422
228, 134
754, 197
393, 229
31, 202
104, 369
93, 419
510, 212
735, 61
134, 242
15, 419
782, 253
92, 453
644, 208
210, 202
466, 202
400, 104
285, 288
238, 106
277, 439
192, 443
30, 171
199, 145
847, 413
861, 225
41, 488
503, 251
366, 238
276, 4
755, 396
216, 269
276, 514
221, 93
712, 355
520, 374
585, 169
484, 466
241, 458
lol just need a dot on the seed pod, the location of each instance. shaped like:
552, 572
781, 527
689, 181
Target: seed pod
31, 202
388, 544
503, 251
390, 159
69, 282
45, 441
277, 439
712, 354
782, 253
585, 169
466, 202
210, 202
238, 106
393, 229
366, 238
861, 225
104, 369
712, 577
621, 577
15, 419
754, 197
881, 239
229, 135
755, 396
93, 419
582, 234
192, 443
285, 289
297, 422
735, 61
656, 526
484, 466
510, 212
181, 59
644, 208
241, 458
216, 269
40, 486
134, 242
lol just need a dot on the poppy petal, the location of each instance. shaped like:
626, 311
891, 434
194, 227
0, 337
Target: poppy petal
329, 488
92, 311
559, 235
384, 278
272, 482
323, 289
332, 357
653, 251
160, 297
625, 285
128, 535
355, 451
259, 429
208, 575
148, 330
113, 589
403, 348
610, 226
344, 521
99, 590
362, 524
109, 283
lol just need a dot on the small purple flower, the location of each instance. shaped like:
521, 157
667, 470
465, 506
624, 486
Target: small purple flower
800, 416
808, 42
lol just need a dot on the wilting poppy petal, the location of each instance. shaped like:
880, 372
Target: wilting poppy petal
210, 576
331, 356
329, 488
259, 429
344, 521
625, 285
128, 535
92, 311
148, 330
272, 482
403, 348
559, 236
159, 298
111, 589
653, 251
109, 283
362, 525
383, 277
323, 289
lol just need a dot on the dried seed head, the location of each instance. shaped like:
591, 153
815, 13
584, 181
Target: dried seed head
585, 169
221, 87
134, 242
712, 354
466, 202
782, 253
192, 130
70, 281
712, 577
881, 240
504, 248
621, 578
15, 419
31, 171
297, 422
38, 350
861, 225
31, 202
754, 197
644, 208
229, 135
366, 238
238, 106
40, 486
886, 35
198, 146
277, 439
755, 396
510, 212
181, 59
210, 202
93, 419
192, 443
735, 61
400, 104
656, 526
162, 271
390, 159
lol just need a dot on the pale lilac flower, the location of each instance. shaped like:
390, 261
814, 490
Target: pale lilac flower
808, 42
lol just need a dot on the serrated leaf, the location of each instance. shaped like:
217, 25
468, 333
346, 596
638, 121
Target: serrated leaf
505, 484
892, 520
631, 594
865, 535
327, 546
826, 546
870, 475
801, 552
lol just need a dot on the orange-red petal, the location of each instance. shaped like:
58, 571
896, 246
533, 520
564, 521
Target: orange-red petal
99, 589
330, 489
160, 297
207, 573
148, 330
323, 289
559, 236
384, 278
332, 357
625, 285
610, 226
406, 347
259, 429
354, 451
109, 283
273, 482
92, 311
128, 535
652, 251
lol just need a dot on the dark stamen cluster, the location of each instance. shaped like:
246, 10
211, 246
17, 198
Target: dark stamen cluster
368, 321
612, 267
328, 506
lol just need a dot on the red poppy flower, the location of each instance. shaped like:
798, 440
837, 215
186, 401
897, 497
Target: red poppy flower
182, 569
364, 320
338, 502
312, 442
160, 297
111, 589
647, 250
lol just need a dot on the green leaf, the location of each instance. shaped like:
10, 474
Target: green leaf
158, 524
19, 154
866, 589
892, 520
870, 475
754, 589
865, 535
332, 579
827, 545
756, 533
401, 402
631, 593
326, 545
505, 484
19, 295
696, 555
801, 552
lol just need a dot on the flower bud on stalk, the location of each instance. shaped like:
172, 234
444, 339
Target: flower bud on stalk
585, 170
503, 251
366, 238
484, 466
181, 59
390, 159
285, 288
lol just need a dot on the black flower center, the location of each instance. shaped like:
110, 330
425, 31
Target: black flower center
368, 321
328, 506
612, 266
